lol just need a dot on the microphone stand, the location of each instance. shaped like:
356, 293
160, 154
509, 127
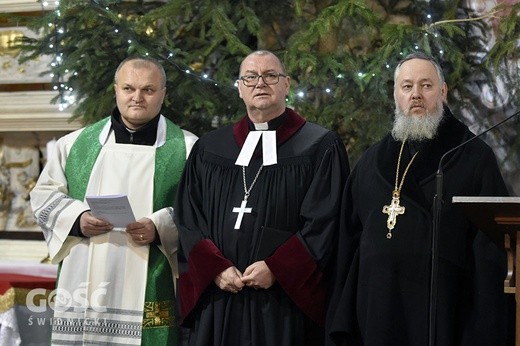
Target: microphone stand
437, 208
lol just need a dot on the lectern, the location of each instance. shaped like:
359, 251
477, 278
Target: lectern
499, 218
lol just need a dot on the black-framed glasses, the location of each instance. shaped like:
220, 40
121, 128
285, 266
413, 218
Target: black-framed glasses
269, 78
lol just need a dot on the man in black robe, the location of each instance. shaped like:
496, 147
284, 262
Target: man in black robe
382, 291
257, 222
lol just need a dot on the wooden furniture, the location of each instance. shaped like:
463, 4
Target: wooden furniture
499, 217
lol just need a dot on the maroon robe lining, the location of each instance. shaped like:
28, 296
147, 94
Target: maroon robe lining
297, 273
200, 273
291, 264
290, 126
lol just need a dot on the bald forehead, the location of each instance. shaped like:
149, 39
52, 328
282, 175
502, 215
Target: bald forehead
417, 69
143, 64
264, 57
418, 66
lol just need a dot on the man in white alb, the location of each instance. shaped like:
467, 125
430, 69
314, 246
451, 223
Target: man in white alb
125, 278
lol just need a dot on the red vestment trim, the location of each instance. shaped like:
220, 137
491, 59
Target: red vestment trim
297, 273
199, 275
287, 129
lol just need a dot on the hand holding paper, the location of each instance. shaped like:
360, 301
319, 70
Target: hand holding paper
115, 209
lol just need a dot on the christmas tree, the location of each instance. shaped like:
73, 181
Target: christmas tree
340, 55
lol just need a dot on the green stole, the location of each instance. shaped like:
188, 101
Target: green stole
159, 324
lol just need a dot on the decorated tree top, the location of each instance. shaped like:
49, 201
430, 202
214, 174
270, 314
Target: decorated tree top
340, 55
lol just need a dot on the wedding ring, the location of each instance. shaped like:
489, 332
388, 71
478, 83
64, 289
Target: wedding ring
141, 236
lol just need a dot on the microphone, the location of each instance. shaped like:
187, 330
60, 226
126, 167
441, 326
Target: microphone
439, 169
437, 206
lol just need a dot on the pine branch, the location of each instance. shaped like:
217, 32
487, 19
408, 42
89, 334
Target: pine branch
489, 15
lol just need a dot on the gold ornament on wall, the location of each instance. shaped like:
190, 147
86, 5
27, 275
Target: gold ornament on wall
19, 171
5, 193
7, 42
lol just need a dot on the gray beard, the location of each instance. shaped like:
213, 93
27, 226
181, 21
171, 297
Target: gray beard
413, 128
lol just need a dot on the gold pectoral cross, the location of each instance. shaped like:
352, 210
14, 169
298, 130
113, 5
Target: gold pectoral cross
392, 210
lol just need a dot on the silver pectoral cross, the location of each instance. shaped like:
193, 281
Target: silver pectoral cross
392, 210
241, 211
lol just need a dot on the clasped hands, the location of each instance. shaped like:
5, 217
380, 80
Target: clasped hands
257, 275
142, 231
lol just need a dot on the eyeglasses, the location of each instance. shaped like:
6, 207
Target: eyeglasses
269, 78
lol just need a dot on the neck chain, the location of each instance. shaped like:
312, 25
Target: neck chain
246, 190
394, 208
242, 209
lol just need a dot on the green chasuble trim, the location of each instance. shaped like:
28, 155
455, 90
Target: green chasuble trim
159, 325
82, 158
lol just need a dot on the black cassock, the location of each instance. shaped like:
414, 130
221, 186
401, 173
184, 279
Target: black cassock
382, 294
295, 207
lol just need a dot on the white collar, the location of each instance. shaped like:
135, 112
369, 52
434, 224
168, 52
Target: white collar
268, 148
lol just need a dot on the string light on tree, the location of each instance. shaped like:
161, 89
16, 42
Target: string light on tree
324, 85
126, 30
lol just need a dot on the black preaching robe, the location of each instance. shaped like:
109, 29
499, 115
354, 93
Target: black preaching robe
383, 285
295, 207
